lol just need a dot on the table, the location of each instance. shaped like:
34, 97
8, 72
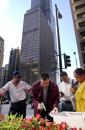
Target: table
73, 119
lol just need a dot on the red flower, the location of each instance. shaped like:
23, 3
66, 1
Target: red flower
27, 120
48, 123
38, 116
41, 128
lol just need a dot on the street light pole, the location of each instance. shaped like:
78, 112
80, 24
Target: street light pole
58, 15
75, 59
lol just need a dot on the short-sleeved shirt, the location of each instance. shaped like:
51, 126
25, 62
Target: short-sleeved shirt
65, 88
17, 93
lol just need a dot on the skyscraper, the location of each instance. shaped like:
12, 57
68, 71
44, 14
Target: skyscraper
38, 39
1, 50
45, 5
1, 58
78, 13
13, 62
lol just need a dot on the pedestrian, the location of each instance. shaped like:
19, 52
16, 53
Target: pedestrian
45, 96
65, 93
17, 90
73, 90
79, 74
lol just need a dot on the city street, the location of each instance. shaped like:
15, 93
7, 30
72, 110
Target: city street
5, 110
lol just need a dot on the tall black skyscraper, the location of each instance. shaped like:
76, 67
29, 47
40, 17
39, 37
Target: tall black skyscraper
13, 62
38, 41
45, 5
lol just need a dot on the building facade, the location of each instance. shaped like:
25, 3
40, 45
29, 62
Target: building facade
1, 76
1, 50
5, 75
78, 14
14, 60
1, 58
37, 48
45, 5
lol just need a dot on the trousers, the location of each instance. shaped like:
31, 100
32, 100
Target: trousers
18, 108
66, 106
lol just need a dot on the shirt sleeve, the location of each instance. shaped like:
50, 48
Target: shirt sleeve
57, 97
26, 86
61, 87
5, 88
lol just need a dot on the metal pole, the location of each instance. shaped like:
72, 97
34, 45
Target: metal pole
75, 59
59, 46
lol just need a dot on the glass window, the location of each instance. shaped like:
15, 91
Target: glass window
82, 44
80, 6
81, 15
81, 24
82, 34
76, 0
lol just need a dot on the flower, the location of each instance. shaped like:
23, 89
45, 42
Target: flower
2, 117
35, 123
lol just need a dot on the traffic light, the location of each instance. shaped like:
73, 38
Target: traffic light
67, 61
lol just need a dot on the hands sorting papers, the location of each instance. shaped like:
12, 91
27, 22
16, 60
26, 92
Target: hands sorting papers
41, 106
55, 110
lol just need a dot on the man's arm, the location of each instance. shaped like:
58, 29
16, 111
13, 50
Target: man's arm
4, 89
57, 99
35, 92
2, 93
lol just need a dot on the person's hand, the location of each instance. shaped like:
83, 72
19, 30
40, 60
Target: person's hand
73, 90
55, 110
61, 94
1, 93
40, 107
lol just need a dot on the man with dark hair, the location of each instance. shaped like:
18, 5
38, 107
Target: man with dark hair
65, 93
45, 96
45, 76
17, 90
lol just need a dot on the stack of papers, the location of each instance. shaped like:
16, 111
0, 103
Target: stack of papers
73, 119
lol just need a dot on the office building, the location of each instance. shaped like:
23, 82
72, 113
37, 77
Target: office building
1, 51
1, 76
38, 42
14, 60
5, 74
78, 14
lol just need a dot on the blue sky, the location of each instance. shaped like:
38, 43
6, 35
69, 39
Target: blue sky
11, 25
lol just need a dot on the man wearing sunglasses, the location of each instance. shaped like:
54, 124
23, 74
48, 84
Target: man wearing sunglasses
17, 90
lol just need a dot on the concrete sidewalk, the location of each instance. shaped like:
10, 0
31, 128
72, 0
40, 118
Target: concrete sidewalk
5, 109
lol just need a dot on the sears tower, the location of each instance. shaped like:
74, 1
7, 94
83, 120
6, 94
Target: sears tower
38, 41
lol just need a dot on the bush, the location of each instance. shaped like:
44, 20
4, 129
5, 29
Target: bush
35, 123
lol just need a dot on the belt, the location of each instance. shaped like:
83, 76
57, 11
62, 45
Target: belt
67, 101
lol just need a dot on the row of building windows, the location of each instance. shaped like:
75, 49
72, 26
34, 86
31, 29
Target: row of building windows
82, 34
80, 6
81, 15
81, 24
76, 0
82, 44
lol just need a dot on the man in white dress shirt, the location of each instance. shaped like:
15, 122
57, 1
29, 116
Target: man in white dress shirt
17, 90
65, 93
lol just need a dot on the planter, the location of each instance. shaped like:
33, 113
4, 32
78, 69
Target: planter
35, 123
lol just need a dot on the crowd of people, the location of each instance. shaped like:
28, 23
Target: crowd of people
47, 96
